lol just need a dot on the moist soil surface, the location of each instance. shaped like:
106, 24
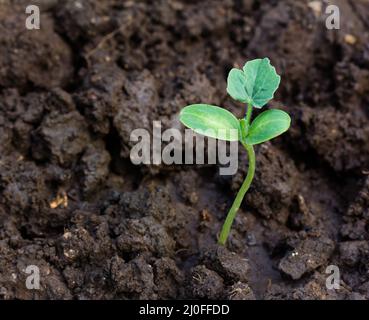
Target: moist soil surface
99, 227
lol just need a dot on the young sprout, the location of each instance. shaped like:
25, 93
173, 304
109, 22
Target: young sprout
254, 85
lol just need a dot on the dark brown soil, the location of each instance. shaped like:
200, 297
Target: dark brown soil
99, 227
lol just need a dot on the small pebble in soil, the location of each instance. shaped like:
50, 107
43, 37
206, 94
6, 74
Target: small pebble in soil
251, 239
350, 39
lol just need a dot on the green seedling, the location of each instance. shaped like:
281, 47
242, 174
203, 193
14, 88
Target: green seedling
254, 85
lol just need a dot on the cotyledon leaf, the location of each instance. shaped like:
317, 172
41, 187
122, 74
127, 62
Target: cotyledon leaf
211, 121
268, 125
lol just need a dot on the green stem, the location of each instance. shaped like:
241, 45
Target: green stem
248, 118
244, 187
240, 195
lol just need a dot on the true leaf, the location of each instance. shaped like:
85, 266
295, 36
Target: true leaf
236, 85
255, 84
211, 121
268, 125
